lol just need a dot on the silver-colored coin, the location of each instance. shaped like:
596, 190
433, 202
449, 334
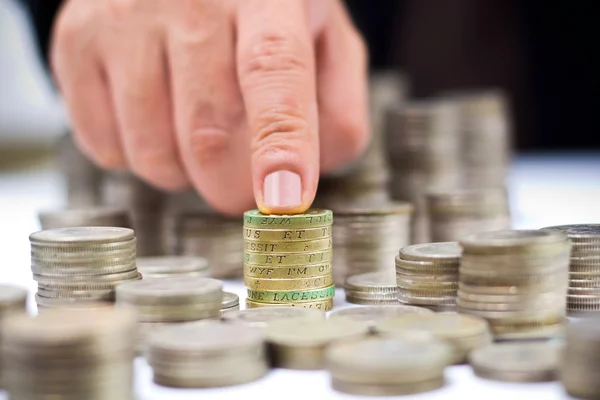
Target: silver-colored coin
578, 232
262, 317
230, 300
12, 298
373, 314
379, 282
509, 239
82, 235
442, 251
165, 265
170, 290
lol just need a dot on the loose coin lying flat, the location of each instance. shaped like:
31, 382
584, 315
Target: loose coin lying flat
262, 317
373, 314
517, 362
163, 266
172, 290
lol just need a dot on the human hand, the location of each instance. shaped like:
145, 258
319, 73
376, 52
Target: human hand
247, 100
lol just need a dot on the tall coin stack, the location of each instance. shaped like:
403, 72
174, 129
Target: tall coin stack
584, 269
423, 152
456, 213
287, 259
66, 354
517, 280
427, 275
81, 263
367, 238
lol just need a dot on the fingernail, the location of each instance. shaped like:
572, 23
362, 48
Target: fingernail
282, 189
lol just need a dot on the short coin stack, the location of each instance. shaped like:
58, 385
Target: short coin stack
584, 269
456, 213
171, 266
427, 275
66, 354
81, 263
517, 280
207, 354
371, 288
13, 300
230, 303
97, 216
287, 259
580, 364
366, 239
171, 300
387, 366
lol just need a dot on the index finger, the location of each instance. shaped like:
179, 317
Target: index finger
276, 71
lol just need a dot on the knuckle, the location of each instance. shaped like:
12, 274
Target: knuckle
275, 51
355, 136
209, 146
159, 167
280, 125
124, 8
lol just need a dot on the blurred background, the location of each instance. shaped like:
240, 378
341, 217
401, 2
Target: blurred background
540, 54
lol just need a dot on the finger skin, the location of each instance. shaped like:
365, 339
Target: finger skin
276, 71
138, 76
209, 115
342, 91
82, 81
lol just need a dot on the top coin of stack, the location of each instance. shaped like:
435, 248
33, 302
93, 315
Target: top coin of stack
97, 216
81, 263
517, 280
366, 239
580, 366
169, 266
371, 288
427, 275
584, 268
456, 213
287, 259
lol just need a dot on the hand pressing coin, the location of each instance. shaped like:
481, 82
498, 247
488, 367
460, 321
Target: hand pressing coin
247, 100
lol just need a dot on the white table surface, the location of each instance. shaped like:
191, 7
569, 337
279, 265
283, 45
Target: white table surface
544, 190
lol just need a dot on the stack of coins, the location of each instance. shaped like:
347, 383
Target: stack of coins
262, 317
81, 263
213, 237
66, 354
230, 303
371, 288
367, 239
287, 259
423, 152
517, 280
485, 137
96, 216
171, 300
427, 275
457, 213
13, 300
373, 314
387, 366
580, 363
82, 177
208, 354
145, 205
301, 343
169, 266
517, 362
464, 333
584, 270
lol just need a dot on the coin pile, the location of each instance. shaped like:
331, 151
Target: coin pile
463, 332
66, 354
422, 139
517, 362
230, 303
387, 366
13, 300
170, 266
517, 280
287, 259
584, 270
262, 317
213, 237
207, 354
300, 343
373, 314
580, 363
94, 216
366, 239
459, 212
427, 275
82, 263
371, 288
145, 207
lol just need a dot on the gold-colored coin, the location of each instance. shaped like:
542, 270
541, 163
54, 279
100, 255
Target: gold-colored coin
283, 259
291, 296
325, 305
310, 218
317, 282
298, 271
308, 246
287, 235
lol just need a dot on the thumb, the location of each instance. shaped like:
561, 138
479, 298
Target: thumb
276, 72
